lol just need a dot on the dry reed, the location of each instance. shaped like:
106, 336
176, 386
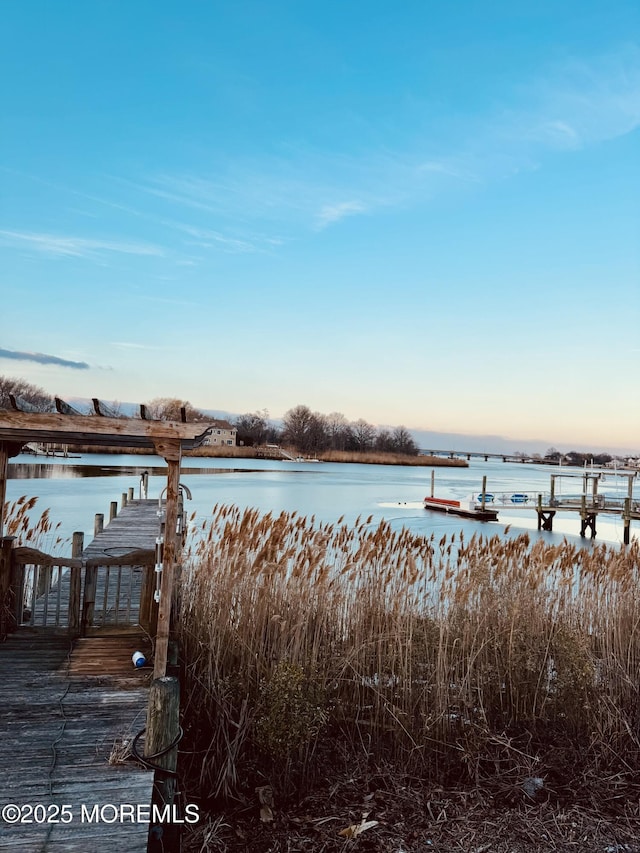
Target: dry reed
21, 520
489, 662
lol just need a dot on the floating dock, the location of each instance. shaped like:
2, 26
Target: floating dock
467, 510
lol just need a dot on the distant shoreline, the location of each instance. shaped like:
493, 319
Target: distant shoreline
222, 452
349, 456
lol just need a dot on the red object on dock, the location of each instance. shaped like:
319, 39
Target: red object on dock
455, 508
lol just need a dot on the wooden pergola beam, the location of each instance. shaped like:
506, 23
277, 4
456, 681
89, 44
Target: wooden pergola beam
22, 427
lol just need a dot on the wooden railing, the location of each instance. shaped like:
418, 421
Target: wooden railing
45, 591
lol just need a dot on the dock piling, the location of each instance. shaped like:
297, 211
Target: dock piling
8, 597
161, 744
75, 584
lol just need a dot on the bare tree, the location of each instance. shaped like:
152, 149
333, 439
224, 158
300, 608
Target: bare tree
363, 435
305, 430
253, 427
338, 430
384, 441
169, 409
295, 426
403, 442
32, 394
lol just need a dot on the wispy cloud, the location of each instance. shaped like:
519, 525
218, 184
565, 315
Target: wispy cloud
448, 169
331, 213
132, 345
588, 103
208, 238
74, 247
564, 108
42, 358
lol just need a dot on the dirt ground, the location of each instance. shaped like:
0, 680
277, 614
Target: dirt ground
391, 815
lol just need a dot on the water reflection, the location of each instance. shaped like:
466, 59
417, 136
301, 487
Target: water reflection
53, 471
75, 489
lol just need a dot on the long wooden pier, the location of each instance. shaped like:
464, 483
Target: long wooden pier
587, 503
104, 597
71, 706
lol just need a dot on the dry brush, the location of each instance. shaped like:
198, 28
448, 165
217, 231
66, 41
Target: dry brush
489, 662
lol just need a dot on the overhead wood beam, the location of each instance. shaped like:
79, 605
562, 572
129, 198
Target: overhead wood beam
84, 429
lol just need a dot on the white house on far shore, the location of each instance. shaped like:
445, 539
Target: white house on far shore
222, 432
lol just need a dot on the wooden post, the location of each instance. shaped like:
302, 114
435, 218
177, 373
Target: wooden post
172, 453
89, 602
433, 480
148, 614
144, 485
98, 523
4, 462
626, 517
7, 450
539, 512
75, 584
146, 599
8, 621
163, 727
113, 510
123, 500
130, 494
484, 489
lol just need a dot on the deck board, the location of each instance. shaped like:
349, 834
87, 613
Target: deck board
137, 526
67, 704
60, 724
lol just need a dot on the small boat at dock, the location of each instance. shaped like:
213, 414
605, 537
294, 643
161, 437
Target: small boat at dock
464, 509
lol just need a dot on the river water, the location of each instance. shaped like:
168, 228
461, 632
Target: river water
75, 489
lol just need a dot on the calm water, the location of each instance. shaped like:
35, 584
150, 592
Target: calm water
75, 489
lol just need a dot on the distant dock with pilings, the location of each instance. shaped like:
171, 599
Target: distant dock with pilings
588, 503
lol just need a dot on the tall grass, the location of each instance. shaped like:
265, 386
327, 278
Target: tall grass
480, 662
372, 457
22, 521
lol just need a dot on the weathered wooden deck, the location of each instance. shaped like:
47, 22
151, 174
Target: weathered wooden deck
68, 705
136, 526
118, 588
66, 709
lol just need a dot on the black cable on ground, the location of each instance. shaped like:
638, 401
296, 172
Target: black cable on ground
54, 751
146, 760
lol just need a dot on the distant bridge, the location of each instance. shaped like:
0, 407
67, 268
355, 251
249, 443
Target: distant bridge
479, 454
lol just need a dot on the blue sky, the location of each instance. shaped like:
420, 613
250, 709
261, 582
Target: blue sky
410, 212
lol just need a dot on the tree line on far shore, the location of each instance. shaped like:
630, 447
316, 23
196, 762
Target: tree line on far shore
314, 432
307, 431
